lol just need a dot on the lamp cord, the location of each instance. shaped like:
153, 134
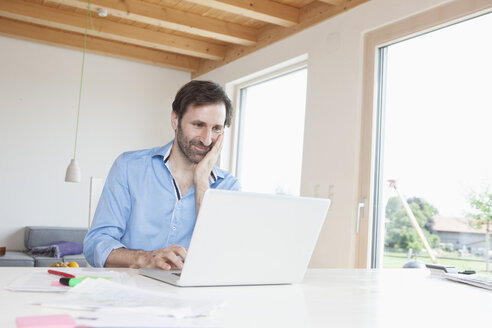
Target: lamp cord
81, 76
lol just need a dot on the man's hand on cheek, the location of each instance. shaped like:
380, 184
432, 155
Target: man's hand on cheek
202, 170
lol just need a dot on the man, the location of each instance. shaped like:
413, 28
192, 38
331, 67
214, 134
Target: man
148, 207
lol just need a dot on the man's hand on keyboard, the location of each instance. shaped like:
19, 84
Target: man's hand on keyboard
164, 258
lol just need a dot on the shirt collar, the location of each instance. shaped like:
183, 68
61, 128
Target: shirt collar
165, 152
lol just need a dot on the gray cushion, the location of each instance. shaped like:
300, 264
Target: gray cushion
44, 261
16, 259
80, 259
41, 236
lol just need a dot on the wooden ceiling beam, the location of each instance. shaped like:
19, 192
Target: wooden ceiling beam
46, 35
263, 10
153, 14
71, 21
310, 15
334, 2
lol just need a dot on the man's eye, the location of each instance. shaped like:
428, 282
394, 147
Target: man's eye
217, 129
198, 125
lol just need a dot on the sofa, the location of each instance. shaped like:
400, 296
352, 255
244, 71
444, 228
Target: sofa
35, 236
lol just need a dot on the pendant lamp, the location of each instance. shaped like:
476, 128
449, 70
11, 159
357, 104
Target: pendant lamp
73, 173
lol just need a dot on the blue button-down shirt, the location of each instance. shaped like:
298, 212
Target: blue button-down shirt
142, 208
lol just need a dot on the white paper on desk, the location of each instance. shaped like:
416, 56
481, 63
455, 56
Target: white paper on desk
42, 281
94, 294
122, 319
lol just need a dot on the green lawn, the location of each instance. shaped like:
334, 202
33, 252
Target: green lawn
396, 260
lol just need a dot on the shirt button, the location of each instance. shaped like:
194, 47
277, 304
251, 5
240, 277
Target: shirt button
174, 228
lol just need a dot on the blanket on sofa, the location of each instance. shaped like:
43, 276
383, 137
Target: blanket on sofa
57, 249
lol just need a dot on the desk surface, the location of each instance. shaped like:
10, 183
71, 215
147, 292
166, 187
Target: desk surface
326, 298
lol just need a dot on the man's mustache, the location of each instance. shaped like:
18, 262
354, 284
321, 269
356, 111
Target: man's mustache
200, 144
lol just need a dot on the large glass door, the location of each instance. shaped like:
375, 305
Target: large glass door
434, 148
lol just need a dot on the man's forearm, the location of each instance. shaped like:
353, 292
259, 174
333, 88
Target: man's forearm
201, 172
126, 258
200, 189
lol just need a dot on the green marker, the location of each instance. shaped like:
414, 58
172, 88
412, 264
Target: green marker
75, 281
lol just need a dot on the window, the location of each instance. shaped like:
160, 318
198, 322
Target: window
270, 134
433, 138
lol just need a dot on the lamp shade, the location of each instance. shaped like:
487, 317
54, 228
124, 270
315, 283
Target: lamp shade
73, 172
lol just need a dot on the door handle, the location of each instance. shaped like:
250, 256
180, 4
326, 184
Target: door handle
361, 212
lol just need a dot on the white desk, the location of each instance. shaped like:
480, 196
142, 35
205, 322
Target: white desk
327, 298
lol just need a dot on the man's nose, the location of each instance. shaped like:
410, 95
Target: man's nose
206, 137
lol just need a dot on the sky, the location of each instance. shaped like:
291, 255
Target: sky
438, 125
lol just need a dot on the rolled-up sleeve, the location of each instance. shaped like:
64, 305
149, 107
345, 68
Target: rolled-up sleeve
226, 181
111, 216
235, 185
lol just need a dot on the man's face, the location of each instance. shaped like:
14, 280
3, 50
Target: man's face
198, 129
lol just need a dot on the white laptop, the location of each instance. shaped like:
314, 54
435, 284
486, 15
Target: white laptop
245, 238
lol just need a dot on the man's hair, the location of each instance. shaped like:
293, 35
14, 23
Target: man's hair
199, 93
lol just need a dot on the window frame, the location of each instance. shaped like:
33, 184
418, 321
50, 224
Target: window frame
368, 237
234, 154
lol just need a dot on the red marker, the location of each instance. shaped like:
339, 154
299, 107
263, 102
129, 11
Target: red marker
60, 273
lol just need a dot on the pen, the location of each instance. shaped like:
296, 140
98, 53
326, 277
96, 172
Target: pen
60, 273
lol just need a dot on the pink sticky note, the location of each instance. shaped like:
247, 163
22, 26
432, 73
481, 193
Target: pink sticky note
46, 321
57, 284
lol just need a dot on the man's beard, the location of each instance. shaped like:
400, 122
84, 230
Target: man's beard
186, 147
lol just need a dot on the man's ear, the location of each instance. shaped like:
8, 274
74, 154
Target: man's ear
174, 120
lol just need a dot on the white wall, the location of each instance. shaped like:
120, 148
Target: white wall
332, 128
125, 106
